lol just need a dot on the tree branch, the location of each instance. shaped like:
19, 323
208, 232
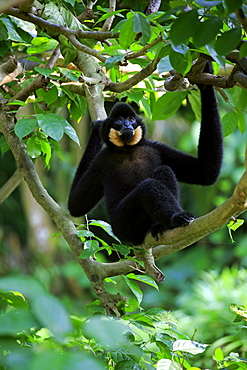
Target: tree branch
58, 29
12, 183
134, 80
108, 22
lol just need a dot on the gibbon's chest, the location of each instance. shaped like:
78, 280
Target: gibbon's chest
132, 165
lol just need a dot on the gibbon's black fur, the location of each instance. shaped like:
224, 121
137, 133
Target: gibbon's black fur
139, 177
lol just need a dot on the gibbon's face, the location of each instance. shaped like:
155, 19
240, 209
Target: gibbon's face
125, 131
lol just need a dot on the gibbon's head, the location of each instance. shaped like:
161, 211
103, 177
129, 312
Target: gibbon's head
123, 127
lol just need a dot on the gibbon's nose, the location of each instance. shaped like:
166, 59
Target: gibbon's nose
129, 129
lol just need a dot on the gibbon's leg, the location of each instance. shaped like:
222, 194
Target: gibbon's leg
180, 218
151, 205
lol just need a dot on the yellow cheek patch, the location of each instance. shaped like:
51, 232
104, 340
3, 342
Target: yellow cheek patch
115, 137
137, 136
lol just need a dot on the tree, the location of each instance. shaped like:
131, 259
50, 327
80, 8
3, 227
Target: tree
100, 55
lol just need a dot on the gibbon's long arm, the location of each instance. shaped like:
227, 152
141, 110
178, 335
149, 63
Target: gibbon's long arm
86, 190
204, 169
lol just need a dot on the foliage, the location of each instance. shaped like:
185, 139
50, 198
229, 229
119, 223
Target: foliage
36, 331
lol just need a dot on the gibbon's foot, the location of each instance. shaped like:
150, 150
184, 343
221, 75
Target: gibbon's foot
181, 219
156, 229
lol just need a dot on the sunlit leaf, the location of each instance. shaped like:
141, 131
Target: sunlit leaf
167, 104
127, 35
141, 24
134, 287
25, 126
229, 123
144, 279
166, 364
52, 124
189, 346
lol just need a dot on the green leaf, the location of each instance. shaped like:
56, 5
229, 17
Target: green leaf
123, 249
85, 233
25, 126
228, 41
229, 123
164, 65
68, 50
168, 104
195, 102
207, 31
41, 44
51, 314
46, 150
218, 58
93, 245
243, 50
44, 71
144, 279
180, 62
17, 102
189, 346
234, 225
110, 14
52, 14
110, 61
232, 6
184, 27
166, 364
52, 124
24, 26
105, 226
33, 147
15, 322
106, 331
85, 254
71, 75
208, 3
241, 121
70, 131
127, 35
141, 25
14, 299
12, 33
218, 354
134, 287
49, 96
239, 97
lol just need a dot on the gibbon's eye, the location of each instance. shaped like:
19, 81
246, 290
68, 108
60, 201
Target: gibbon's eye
118, 122
132, 119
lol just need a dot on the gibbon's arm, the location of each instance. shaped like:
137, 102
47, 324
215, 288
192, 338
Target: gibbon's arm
204, 169
86, 190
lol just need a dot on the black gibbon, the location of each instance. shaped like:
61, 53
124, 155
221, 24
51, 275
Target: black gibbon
139, 177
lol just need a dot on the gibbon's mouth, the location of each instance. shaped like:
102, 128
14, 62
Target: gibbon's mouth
127, 135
